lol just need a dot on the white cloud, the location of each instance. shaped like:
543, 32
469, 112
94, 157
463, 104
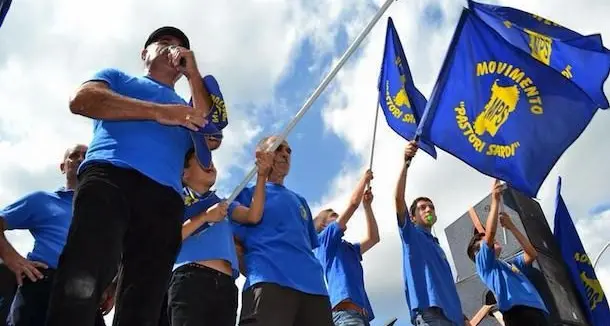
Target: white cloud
453, 185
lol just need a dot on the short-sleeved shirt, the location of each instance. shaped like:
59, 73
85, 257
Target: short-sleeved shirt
427, 273
341, 264
209, 242
279, 249
507, 280
47, 215
151, 148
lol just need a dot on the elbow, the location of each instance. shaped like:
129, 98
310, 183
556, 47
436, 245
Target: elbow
255, 218
375, 239
77, 101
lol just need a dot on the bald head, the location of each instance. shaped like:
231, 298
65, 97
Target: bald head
78, 148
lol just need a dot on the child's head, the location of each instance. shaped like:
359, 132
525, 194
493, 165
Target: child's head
194, 174
475, 245
422, 212
324, 218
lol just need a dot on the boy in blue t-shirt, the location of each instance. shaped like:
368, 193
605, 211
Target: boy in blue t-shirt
202, 289
341, 259
429, 287
516, 296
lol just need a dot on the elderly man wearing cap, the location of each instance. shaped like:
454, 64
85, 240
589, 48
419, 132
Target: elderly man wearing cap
128, 206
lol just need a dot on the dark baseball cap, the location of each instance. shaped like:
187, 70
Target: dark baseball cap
168, 31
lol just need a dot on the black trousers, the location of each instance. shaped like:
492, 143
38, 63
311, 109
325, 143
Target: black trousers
29, 307
120, 215
269, 304
201, 296
522, 315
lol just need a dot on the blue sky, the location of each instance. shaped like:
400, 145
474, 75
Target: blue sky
268, 57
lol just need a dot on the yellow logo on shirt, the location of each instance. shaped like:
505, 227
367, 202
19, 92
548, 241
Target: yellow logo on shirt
303, 212
515, 269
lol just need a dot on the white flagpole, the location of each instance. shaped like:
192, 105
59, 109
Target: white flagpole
317, 92
374, 133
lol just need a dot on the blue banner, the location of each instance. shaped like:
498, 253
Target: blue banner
500, 110
217, 120
583, 60
579, 265
4, 6
401, 102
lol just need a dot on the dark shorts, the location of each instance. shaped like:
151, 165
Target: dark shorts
269, 304
120, 216
201, 296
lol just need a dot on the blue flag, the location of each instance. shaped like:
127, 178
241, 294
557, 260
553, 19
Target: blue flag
579, 265
4, 5
581, 59
401, 102
217, 120
501, 111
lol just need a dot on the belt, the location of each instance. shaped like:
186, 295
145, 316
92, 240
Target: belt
348, 305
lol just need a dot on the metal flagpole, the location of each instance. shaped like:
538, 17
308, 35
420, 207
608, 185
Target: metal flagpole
374, 133
350, 50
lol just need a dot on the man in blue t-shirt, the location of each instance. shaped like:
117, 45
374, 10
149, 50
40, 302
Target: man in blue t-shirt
47, 215
429, 288
341, 259
284, 280
128, 204
202, 289
517, 298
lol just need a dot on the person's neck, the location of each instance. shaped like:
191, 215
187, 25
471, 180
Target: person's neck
276, 179
71, 182
163, 78
199, 188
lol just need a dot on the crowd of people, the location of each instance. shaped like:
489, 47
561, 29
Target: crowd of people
138, 227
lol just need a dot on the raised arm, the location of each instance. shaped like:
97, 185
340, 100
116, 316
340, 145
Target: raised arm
212, 215
399, 195
492, 219
529, 253
199, 94
354, 201
372, 231
254, 213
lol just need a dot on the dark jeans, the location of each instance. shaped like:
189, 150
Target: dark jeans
8, 288
201, 296
30, 304
120, 215
269, 304
522, 315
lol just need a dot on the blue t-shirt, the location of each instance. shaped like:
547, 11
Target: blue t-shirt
506, 280
151, 148
427, 274
47, 215
341, 264
208, 242
279, 248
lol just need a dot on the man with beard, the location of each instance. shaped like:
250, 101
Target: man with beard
128, 206
284, 281
47, 215
429, 287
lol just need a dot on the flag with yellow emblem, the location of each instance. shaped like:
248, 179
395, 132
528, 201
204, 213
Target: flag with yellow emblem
401, 102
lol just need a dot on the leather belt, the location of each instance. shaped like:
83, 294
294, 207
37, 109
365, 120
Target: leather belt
348, 305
